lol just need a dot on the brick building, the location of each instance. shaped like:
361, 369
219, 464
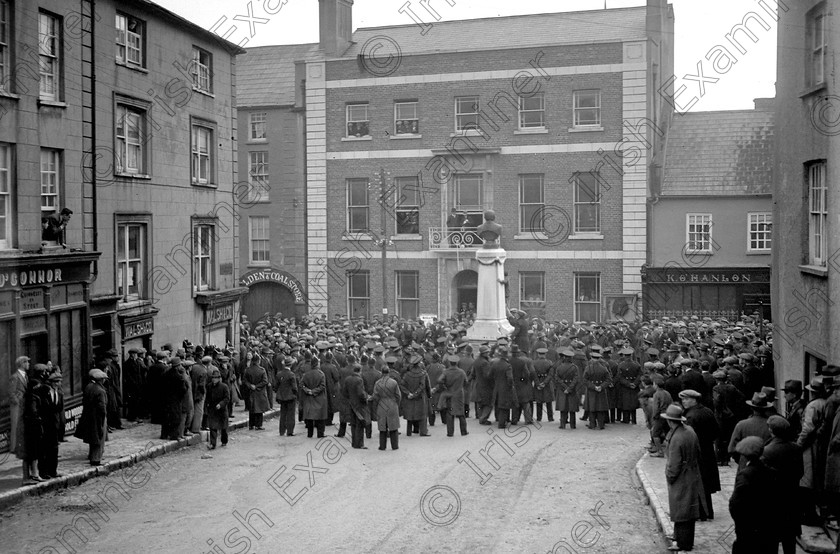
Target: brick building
122, 112
711, 219
555, 121
806, 231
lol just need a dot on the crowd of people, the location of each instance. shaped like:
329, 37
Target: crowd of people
706, 388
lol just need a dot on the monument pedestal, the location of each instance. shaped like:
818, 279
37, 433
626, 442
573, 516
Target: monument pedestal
491, 312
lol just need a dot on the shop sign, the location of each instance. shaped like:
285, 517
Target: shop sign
138, 329
269, 275
677, 275
215, 314
31, 277
32, 300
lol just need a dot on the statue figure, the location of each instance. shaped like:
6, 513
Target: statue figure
490, 231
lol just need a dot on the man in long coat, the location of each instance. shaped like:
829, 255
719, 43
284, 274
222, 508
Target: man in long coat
154, 392
113, 387
256, 380
370, 375
435, 370
753, 502
784, 457
216, 400
92, 427
173, 392
345, 413
353, 391
523, 383
17, 390
484, 382
597, 380
629, 376
543, 384
286, 388
729, 405
705, 426
452, 398
199, 376
52, 425
134, 373
504, 394
313, 387
686, 498
416, 391
567, 378
386, 393
813, 453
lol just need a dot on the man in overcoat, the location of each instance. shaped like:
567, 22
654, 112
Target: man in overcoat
256, 381
17, 390
387, 395
313, 386
92, 427
216, 400
753, 502
543, 384
783, 456
597, 380
567, 377
523, 383
686, 498
370, 375
504, 394
705, 426
52, 425
353, 391
416, 391
452, 396
286, 389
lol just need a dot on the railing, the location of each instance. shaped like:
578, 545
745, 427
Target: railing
441, 238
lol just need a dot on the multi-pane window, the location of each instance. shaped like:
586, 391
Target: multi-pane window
130, 135
129, 40
469, 198
817, 47
49, 51
203, 241
588, 297
358, 294
5, 55
532, 293
131, 256
202, 155
587, 108
258, 120
50, 180
408, 294
258, 234
357, 206
531, 204
406, 121
698, 233
760, 227
466, 113
258, 178
202, 70
817, 214
532, 111
358, 121
5, 196
407, 206
587, 203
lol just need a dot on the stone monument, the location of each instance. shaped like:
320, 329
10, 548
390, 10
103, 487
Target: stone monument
491, 312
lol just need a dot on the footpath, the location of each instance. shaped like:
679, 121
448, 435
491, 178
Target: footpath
717, 535
133, 444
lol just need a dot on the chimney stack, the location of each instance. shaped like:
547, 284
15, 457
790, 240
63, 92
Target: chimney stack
335, 23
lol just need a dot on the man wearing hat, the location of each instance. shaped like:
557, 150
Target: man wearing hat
217, 398
523, 383
629, 375
794, 408
416, 391
199, 376
154, 391
113, 387
92, 427
504, 394
596, 377
782, 455
813, 449
567, 377
483, 375
52, 425
353, 392
753, 426
729, 408
387, 395
314, 401
286, 389
175, 389
705, 426
543, 383
451, 400
370, 375
256, 381
753, 501
135, 376
686, 498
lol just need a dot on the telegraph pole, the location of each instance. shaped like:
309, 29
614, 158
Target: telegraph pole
383, 241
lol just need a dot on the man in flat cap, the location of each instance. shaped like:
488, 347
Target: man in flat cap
729, 408
134, 374
813, 450
782, 455
92, 427
523, 383
567, 377
686, 499
629, 375
286, 390
504, 394
199, 377
794, 407
597, 380
705, 426
753, 501
484, 382
543, 383
452, 395
753, 426
216, 400
52, 424
174, 392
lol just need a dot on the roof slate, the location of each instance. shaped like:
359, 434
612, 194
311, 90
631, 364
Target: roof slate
727, 153
265, 75
521, 31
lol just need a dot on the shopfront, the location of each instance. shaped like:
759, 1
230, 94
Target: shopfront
221, 316
707, 292
44, 314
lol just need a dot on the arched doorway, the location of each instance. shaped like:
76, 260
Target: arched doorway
465, 291
268, 297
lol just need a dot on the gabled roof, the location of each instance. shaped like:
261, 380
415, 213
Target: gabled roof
265, 75
726, 153
173, 17
521, 31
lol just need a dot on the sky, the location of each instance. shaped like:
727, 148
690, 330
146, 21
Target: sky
700, 26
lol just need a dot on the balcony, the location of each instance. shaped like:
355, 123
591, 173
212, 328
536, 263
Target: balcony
442, 239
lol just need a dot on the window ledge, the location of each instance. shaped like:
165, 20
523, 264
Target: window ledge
10, 95
697, 253
531, 131
758, 252
586, 236
356, 139
132, 67
810, 91
9, 252
204, 92
530, 235
404, 137
51, 103
356, 236
132, 176
585, 129
257, 141
407, 237
205, 185
259, 264
815, 270
132, 304
466, 133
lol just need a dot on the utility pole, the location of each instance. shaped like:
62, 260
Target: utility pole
383, 242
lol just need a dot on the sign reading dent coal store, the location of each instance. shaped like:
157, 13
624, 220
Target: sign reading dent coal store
275, 276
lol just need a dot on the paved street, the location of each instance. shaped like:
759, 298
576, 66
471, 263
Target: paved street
545, 489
